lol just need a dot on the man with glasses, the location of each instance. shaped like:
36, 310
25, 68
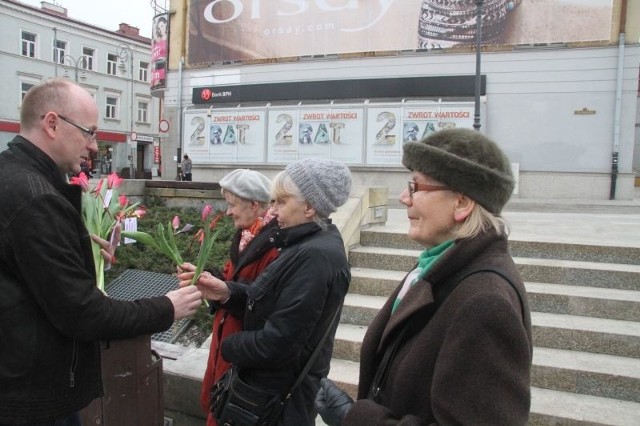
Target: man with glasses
52, 315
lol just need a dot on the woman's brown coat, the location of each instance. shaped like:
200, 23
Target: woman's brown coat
470, 363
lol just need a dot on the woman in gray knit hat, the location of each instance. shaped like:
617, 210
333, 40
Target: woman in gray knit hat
293, 302
452, 345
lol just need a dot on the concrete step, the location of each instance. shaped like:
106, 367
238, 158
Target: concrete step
579, 333
567, 272
381, 237
560, 331
543, 297
548, 407
606, 376
551, 407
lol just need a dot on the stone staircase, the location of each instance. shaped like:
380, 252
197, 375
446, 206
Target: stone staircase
585, 303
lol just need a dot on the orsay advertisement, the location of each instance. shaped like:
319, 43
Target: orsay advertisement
237, 30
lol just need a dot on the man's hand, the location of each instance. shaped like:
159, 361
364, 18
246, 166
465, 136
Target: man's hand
186, 301
211, 287
332, 403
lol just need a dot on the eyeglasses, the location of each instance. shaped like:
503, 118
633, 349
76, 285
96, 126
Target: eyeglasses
415, 187
89, 133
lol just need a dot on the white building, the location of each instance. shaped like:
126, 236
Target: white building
257, 84
40, 43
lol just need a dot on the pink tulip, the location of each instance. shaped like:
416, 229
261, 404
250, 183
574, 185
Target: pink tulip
123, 200
98, 187
82, 181
113, 180
175, 223
199, 237
206, 211
140, 213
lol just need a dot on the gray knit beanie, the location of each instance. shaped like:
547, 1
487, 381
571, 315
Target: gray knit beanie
247, 184
466, 161
325, 184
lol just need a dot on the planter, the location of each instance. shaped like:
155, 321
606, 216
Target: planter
132, 380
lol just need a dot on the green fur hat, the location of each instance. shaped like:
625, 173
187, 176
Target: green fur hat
466, 161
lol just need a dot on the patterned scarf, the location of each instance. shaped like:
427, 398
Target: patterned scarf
249, 233
426, 260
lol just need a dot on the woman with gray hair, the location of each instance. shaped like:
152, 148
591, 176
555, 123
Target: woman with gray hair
289, 310
452, 345
247, 193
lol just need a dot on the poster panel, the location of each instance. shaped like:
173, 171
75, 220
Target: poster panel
236, 136
237, 30
384, 135
159, 51
420, 121
331, 132
282, 135
196, 136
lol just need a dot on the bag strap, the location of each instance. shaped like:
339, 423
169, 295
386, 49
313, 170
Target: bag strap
314, 355
440, 297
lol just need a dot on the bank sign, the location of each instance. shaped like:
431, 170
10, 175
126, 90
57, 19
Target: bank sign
239, 30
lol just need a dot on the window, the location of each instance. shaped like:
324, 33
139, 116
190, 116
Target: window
112, 62
112, 107
144, 71
59, 48
26, 83
143, 112
28, 44
89, 58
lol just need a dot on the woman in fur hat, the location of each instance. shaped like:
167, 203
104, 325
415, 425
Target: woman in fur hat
293, 303
452, 345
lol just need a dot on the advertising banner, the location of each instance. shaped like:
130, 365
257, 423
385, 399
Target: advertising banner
236, 136
237, 30
318, 131
159, 51
390, 127
342, 133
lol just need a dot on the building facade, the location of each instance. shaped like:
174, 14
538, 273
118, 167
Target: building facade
251, 84
114, 66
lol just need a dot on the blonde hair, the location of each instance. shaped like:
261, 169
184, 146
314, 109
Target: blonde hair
283, 186
480, 221
52, 95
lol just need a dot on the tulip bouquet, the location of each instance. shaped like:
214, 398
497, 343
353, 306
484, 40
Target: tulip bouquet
164, 239
104, 208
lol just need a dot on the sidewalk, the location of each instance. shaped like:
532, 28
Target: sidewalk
591, 222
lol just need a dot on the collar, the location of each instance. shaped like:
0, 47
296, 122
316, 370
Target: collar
286, 237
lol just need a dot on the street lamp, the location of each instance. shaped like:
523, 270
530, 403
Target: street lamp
76, 63
125, 55
476, 115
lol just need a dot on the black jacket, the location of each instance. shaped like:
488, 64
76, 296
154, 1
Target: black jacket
287, 310
51, 313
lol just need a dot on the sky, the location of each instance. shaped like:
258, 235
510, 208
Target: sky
109, 14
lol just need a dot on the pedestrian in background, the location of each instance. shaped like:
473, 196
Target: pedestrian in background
52, 315
185, 166
452, 345
248, 197
293, 302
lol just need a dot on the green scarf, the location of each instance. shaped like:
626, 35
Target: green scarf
426, 260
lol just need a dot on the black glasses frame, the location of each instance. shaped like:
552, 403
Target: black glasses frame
91, 134
416, 186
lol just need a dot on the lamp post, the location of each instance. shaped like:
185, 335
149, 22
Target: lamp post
76, 63
476, 115
125, 55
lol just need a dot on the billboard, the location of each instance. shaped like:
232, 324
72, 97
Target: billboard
240, 30
159, 51
358, 134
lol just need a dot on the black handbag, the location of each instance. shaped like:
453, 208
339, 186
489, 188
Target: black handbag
234, 402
